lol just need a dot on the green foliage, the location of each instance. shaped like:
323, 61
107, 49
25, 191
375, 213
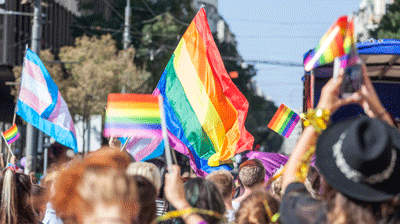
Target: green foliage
389, 26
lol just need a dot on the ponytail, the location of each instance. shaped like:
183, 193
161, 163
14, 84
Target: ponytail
9, 198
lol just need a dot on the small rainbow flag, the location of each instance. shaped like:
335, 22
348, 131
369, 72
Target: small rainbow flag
135, 115
284, 121
11, 135
329, 47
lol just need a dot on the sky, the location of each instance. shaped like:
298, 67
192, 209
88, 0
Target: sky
281, 30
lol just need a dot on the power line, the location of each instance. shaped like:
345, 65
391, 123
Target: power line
256, 61
277, 22
148, 8
280, 36
114, 10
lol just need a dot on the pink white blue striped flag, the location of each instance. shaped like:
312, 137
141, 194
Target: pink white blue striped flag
143, 149
41, 104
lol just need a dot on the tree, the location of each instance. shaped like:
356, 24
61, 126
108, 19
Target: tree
389, 26
94, 68
101, 69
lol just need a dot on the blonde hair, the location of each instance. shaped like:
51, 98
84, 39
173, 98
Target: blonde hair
146, 170
224, 181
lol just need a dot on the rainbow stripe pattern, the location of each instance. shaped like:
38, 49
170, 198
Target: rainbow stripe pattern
136, 115
329, 47
284, 121
12, 134
204, 110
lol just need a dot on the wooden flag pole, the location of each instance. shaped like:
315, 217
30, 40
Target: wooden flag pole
8, 146
15, 115
126, 142
164, 131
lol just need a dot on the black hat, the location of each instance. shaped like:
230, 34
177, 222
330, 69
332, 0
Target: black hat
360, 158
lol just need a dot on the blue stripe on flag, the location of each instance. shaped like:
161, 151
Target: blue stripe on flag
61, 135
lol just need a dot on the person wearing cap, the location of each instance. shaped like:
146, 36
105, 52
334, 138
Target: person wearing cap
359, 159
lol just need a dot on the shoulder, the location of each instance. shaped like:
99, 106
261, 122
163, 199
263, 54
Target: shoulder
298, 206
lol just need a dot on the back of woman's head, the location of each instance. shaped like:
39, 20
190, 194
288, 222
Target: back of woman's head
15, 198
88, 188
147, 170
147, 199
203, 194
259, 208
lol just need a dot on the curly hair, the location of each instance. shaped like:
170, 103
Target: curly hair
258, 208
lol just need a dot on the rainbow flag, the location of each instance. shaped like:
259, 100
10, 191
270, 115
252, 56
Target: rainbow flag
204, 110
136, 115
284, 121
329, 47
11, 135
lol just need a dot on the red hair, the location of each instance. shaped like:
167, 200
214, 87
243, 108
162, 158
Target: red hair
70, 202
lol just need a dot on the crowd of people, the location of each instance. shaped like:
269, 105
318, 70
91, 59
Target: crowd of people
354, 180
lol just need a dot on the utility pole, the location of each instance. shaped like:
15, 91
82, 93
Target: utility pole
126, 36
127, 25
31, 132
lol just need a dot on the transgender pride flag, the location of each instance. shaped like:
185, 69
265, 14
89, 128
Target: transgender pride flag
41, 104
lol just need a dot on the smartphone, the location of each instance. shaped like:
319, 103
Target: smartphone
352, 79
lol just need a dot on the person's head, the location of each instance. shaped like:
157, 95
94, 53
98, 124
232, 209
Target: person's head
16, 206
33, 177
360, 159
96, 189
162, 167
147, 170
224, 181
259, 208
38, 201
147, 199
251, 173
203, 194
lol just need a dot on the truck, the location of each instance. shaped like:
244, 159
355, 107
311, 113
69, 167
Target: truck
382, 58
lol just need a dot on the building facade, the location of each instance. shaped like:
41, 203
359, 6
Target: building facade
368, 16
15, 35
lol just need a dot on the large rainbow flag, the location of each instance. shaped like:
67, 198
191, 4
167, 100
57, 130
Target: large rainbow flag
204, 110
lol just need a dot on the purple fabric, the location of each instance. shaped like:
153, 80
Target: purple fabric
271, 161
23, 162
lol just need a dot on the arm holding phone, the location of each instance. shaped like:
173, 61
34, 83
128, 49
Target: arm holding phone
370, 101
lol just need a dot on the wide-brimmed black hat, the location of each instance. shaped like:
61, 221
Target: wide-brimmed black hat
360, 158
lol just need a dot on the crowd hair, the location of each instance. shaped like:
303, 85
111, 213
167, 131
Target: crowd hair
224, 181
251, 173
252, 210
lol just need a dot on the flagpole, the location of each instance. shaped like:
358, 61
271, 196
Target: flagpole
164, 131
15, 115
126, 142
8, 146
